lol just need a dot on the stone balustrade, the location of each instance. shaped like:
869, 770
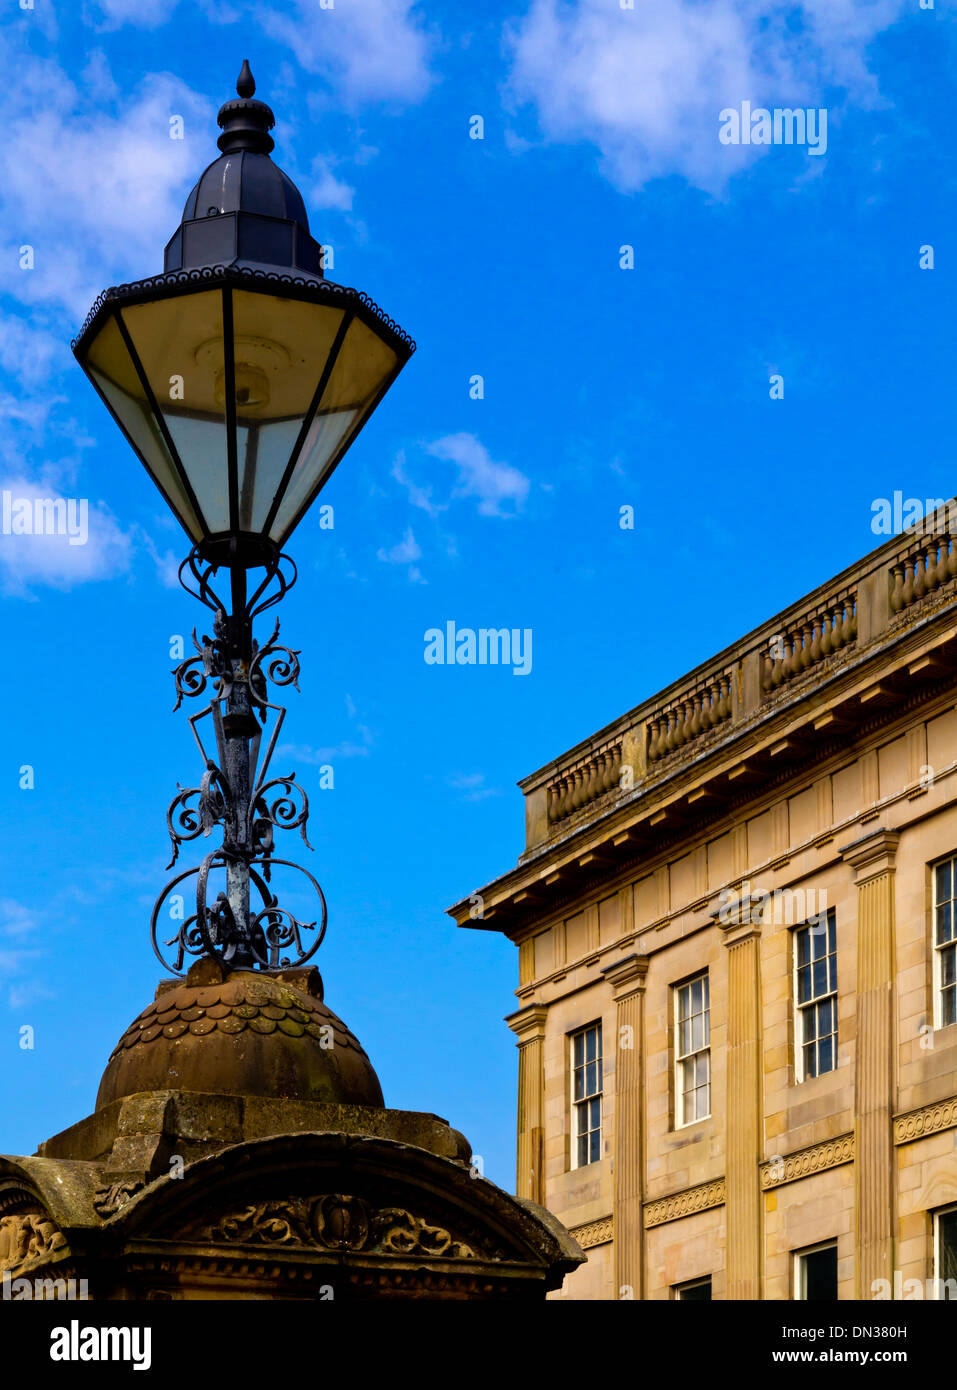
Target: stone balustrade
932, 563
689, 717
828, 628
589, 779
814, 634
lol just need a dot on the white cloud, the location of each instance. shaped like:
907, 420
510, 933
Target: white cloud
148, 14
96, 192
377, 50
16, 919
472, 785
419, 496
406, 552
324, 190
27, 561
501, 489
646, 85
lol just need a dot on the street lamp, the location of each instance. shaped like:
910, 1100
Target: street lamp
240, 377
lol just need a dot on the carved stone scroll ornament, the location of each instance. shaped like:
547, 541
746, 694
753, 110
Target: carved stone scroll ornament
26, 1236
111, 1196
337, 1221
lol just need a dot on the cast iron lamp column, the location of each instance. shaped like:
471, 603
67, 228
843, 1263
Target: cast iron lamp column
240, 377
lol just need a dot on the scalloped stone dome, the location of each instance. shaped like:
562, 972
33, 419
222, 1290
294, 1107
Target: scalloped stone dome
246, 1034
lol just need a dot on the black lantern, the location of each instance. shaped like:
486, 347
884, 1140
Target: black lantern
241, 375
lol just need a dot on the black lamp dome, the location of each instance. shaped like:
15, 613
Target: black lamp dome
244, 210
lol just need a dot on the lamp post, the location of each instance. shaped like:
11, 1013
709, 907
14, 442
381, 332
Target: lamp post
240, 377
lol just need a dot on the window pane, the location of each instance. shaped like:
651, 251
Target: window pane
946, 1249
819, 1275
578, 1042
943, 881
945, 923
948, 965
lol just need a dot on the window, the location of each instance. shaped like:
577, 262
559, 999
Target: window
699, 1291
815, 998
945, 1254
815, 1273
692, 1051
586, 1096
945, 944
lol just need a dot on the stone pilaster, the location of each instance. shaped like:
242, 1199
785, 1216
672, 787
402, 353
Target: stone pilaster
872, 860
529, 1027
627, 977
743, 1202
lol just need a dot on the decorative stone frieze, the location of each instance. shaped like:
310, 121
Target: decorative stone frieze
930, 1119
815, 1159
693, 1199
594, 1233
337, 1221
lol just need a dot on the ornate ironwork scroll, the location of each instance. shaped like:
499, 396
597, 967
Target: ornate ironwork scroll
245, 925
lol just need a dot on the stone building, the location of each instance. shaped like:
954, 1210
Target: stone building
735, 921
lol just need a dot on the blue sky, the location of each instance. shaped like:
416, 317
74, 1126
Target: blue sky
604, 387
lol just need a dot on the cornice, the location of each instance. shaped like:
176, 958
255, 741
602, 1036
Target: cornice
873, 854
627, 975
528, 1024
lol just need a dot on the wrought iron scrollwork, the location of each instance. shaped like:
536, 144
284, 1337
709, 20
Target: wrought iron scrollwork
236, 792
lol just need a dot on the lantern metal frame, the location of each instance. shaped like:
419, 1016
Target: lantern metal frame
235, 546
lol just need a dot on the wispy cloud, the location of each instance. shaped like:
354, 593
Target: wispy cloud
472, 785
406, 552
646, 85
358, 747
28, 561
500, 488
374, 50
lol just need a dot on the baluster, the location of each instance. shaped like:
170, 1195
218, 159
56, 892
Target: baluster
815, 641
724, 703
932, 566
897, 591
696, 715
920, 576
612, 768
943, 570
653, 740
827, 626
804, 660
908, 592
851, 621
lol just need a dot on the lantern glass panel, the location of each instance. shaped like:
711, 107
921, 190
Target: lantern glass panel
179, 341
281, 350
363, 366
111, 367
